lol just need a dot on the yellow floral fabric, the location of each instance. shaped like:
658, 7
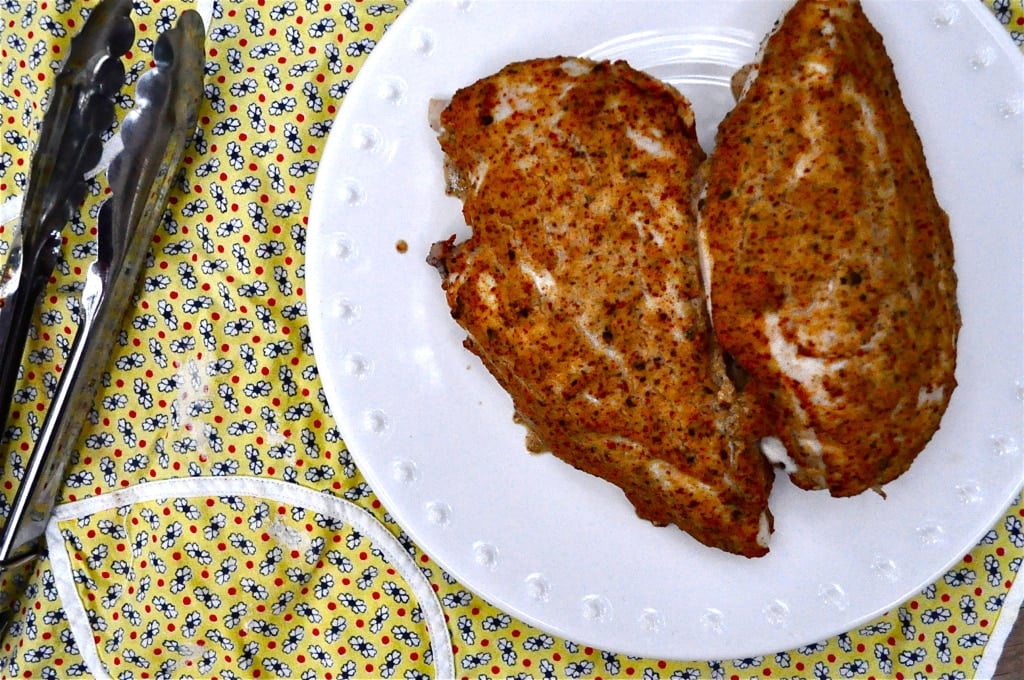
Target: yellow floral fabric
267, 555
195, 585
1010, 13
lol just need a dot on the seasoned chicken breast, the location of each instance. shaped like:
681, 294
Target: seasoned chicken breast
830, 261
580, 289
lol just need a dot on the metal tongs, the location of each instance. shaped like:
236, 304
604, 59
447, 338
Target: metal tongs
154, 135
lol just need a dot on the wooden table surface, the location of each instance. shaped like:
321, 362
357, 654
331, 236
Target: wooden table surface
1011, 664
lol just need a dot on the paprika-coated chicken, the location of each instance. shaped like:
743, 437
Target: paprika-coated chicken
580, 288
829, 260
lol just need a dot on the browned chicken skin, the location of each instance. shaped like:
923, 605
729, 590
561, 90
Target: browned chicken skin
580, 288
830, 260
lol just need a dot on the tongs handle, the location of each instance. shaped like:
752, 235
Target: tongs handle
80, 112
155, 135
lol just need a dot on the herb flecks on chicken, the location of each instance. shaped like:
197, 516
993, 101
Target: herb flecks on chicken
830, 261
580, 288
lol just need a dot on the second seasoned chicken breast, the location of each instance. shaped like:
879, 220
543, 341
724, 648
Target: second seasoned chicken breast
580, 289
830, 261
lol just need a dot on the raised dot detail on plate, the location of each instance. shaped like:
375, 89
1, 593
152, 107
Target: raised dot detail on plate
713, 620
346, 310
946, 15
968, 492
423, 41
776, 613
1011, 107
351, 192
834, 596
596, 608
930, 533
439, 513
376, 421
405, 471
366, 138
356, 365
343, 248
1004, 445
886, 569
538, 587
486, 555
392, 89
652, 621
982, 58
464, 5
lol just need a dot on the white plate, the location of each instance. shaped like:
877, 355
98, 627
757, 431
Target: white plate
433, 433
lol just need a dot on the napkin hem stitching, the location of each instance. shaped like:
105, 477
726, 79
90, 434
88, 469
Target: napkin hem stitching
74, 609
271, 489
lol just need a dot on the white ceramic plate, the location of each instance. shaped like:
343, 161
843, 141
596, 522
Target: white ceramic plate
433, 433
